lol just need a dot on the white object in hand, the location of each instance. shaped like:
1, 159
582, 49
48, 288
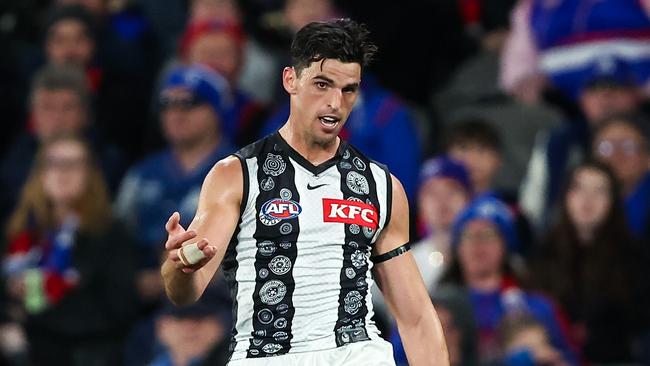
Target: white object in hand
190, 254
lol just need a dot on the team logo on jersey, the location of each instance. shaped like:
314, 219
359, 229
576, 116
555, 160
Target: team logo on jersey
276, 210
350, 212
352, 302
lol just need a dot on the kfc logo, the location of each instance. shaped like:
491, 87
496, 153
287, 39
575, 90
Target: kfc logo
350, 212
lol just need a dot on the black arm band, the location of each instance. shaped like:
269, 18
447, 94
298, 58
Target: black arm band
392, 254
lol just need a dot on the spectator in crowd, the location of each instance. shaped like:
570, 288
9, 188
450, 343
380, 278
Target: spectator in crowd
478, 146
193, 101
547, 35
605, 92
59, 102
458, 325
382, 126
68, 265
196, 334
70, 40
445, 190
622, 142
525, 342
482, 238
221, 46
590, 264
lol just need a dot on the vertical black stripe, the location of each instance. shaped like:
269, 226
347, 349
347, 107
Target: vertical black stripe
229, 263
273, 308
350, 326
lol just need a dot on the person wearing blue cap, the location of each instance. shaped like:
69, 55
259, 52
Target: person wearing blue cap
445, 190
483, 239
193, 101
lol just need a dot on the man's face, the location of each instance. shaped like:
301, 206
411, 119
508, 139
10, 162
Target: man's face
322, 98
482, 162
440, 200
186, 120
68, 43
57, 111
601, 102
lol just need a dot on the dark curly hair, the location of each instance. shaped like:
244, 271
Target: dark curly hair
341, 39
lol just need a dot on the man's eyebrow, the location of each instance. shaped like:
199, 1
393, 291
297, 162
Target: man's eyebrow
353, 86
324, 78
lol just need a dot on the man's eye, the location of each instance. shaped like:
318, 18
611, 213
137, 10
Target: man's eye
321, 85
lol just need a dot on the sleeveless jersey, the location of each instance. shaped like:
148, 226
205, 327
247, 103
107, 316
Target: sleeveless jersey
298, 263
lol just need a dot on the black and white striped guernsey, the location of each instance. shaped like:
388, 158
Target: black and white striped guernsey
298, 263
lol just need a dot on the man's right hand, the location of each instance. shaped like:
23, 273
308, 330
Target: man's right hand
177, 237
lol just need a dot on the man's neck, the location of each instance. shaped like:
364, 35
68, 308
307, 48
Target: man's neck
313, 152
191, 156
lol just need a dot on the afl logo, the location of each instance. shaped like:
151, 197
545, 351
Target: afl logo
276, 210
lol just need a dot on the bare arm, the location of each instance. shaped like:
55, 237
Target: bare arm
406, 296
214, 223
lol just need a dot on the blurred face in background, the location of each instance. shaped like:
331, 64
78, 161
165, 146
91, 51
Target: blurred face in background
588, 200
68, 42
221, 10
55, 111
219, 51
299, 13
440, 201
481, 250
481, 161
186, 120
93, 6
624, 149
192, 337
600, 102
64, 173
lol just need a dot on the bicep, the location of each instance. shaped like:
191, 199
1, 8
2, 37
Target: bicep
218, 211
398, 277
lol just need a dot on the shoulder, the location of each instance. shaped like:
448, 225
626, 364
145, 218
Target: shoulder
254, 149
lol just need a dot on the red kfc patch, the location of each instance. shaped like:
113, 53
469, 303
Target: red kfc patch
350, 212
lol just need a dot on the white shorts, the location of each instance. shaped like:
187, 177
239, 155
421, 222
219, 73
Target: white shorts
367, 353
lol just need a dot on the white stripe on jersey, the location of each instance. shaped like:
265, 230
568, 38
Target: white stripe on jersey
245, 276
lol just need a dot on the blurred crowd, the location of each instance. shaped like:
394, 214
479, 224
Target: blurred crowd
519, 129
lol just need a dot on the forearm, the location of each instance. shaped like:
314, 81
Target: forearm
423, 339
179, 286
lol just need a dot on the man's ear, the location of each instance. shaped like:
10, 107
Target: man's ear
289, 80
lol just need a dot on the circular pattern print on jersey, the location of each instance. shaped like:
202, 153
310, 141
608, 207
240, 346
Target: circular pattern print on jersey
280, 323
280, 336
357, 183
352, 302
358, 259
280, 265
368, 232
273, 292
257, 342
271, 348
345, 165
264, 273
354, 229
266, 248
274, 165
282, 309
286, 228
285, 194
267, 184
265, 316
346, 154
350, 273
